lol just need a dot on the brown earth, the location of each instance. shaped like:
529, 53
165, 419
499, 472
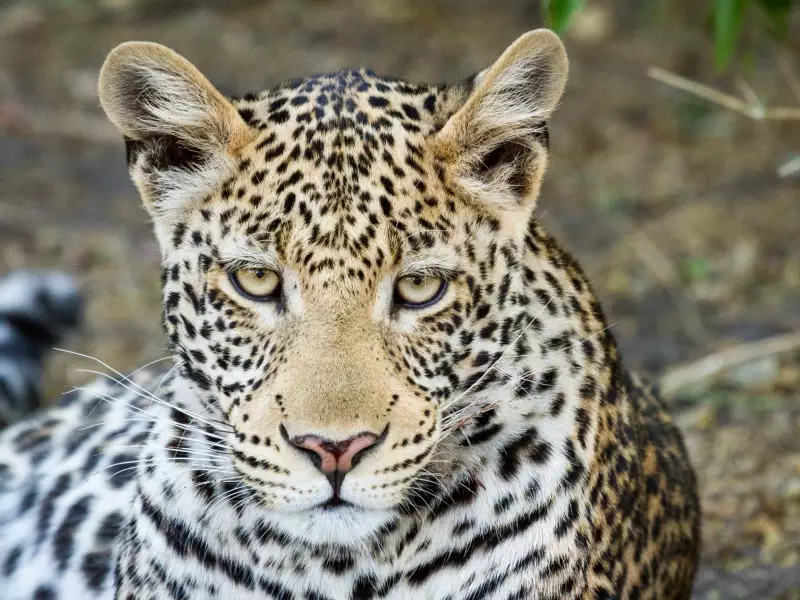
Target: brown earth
673, 205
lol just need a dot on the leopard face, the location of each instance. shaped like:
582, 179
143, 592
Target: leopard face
342, 261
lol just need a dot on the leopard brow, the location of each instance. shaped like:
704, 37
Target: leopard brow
430, 266
248, 257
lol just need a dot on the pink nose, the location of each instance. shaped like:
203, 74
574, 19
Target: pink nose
335, 456
334, 459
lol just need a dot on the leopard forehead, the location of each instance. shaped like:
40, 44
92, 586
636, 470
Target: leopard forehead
339, 178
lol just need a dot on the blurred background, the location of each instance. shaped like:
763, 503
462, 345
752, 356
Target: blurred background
685, 213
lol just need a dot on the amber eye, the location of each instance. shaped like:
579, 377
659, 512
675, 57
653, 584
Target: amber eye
419, 291
259, 285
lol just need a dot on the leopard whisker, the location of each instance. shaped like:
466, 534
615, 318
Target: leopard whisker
136, 410
137, 386
150, 396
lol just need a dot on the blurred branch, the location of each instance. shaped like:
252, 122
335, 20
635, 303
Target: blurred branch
748, 92
753, 110
712, 365
789, 168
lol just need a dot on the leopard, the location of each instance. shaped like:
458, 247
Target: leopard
387, 380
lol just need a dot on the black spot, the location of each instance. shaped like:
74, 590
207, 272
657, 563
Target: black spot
177, 234
279, 117
557, 405
364, 588
275, 152
95, 568
288, 203
510, 454
246, 114
481, 359
124, 471
386, 206
338, 565
110, 528
44, 592
28, 499
387, 185
547, 381
605, 594
411, 112
378, 101
12, 561
64, 537
48, 505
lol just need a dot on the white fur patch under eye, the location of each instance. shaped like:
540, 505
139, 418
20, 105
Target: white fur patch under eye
382, 308
293, 299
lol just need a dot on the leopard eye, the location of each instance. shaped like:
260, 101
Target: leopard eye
419, 291
259, 285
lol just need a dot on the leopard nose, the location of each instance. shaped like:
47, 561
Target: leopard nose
334, 456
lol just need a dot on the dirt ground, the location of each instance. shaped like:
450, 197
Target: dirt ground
673, 205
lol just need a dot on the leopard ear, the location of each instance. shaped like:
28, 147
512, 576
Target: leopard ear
497, 141
181, 133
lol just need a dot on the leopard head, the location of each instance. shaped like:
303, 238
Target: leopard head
342, 260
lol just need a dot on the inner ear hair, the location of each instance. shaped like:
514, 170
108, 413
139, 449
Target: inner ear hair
163, 152
511, 162
518, 153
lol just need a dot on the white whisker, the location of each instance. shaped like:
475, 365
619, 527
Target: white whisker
137, 386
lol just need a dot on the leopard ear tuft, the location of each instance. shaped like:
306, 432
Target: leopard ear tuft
497, 141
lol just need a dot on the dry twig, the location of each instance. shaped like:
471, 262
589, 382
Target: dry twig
789, 168
713, 364
752, 109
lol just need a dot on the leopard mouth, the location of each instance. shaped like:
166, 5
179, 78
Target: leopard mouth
335, 502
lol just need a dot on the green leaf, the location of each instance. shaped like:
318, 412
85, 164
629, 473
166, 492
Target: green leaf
778, 13
728, 20
559, 12
697, 269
